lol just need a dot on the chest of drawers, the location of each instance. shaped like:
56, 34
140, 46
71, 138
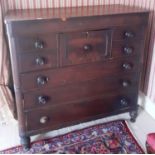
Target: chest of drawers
69, 67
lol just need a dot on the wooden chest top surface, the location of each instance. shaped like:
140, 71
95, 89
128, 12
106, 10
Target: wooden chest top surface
71, 12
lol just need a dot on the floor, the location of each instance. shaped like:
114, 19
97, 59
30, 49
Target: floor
9, 130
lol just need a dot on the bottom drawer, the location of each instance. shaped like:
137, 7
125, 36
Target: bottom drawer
60, 116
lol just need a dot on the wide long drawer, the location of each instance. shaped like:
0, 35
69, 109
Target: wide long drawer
62, 76
59, 116
93, 46
80, 92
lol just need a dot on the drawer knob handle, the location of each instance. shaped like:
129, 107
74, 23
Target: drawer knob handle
125, 83
44, 120
39, 44
128, 50
42, 99
87, 47
40, 61
127, 66
124, 102
129, 34
42, 80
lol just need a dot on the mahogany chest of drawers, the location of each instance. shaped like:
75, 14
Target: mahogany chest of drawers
71, 65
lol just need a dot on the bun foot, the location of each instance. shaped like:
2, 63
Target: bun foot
133, 116
25, 141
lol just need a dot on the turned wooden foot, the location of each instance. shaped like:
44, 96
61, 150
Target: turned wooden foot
133, 116
25, 141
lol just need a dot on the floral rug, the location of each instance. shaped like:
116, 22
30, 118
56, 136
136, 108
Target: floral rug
113, 137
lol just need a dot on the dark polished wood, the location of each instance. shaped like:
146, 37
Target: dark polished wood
34, 61
79, 92
74, 74
59, 115
36, 42
69, 67
85, 47
25, 141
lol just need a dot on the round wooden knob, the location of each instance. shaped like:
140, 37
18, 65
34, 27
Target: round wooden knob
128, 50
87, 47
125, 83
42, 99
44, 120
124, 102
42, 80
129, 34
127, 66
40, 61
39, 44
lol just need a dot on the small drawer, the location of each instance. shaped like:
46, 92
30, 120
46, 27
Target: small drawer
36, 43
80, 91
34, 61
127, 48
75, 74
129, 33
85, 47
60, 116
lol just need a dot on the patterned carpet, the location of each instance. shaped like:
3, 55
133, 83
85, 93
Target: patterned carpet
113, 137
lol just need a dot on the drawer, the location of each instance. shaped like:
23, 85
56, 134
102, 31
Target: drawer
36, 42
85, 47
37, 60
127, 48
60, 116
80, 92
129, 33
80, 73
28, 27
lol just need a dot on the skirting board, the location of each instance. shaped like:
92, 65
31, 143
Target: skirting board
146, 104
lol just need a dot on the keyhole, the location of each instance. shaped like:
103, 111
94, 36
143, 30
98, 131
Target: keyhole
87, 34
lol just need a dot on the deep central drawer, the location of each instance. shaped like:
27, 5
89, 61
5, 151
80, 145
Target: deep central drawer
80, 91
85, 47
59, 116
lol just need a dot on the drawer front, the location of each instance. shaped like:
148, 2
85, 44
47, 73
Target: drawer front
129, 33
37, 60
85, 47
93, 46
80, 91
62, 76
127, 48
36, 42
59, 116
